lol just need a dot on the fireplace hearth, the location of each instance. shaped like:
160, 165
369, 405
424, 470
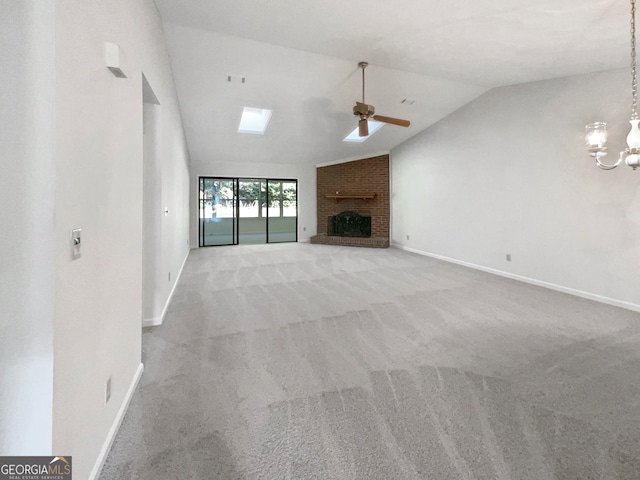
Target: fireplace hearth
349, 224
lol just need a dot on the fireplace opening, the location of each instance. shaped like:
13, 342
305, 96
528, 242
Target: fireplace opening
349, 224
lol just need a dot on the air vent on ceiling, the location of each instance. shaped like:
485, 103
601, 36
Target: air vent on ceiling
236, 79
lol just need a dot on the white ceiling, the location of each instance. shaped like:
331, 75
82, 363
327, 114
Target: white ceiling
300, 58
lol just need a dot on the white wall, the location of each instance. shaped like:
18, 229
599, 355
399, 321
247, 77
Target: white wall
99, 184
27, 189
508, 173
166, 209
305, 174
152, 217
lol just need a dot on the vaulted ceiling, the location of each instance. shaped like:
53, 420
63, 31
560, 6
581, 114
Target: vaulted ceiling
299, 58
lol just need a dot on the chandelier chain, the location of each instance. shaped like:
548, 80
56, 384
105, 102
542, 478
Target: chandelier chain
634, 79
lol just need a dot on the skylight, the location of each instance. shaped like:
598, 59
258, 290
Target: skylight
254, 120
355, 137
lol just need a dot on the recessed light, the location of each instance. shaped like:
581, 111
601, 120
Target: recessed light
254, 120
355, 136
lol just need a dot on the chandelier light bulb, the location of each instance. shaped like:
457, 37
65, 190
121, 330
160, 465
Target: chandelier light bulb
596, 135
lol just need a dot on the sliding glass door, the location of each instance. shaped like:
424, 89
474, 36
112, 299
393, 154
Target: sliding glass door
247, 211
282, 212
218, 211
252, 224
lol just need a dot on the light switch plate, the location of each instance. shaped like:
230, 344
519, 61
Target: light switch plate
76, 242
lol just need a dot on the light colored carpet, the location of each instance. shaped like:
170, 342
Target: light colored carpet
299, 361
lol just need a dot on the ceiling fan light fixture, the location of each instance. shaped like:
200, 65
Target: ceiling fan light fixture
363, 127
354, 135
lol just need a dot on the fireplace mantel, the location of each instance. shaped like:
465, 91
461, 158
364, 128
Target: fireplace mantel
350, 196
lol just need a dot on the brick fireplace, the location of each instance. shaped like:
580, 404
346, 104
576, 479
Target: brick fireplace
360, 187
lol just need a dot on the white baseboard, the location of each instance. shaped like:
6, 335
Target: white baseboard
532, 281
155, 321
151, 322
106, 447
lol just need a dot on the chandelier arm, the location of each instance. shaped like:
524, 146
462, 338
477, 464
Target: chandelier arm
605, 166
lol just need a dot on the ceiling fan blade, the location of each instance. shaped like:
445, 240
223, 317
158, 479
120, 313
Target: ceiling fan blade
363, 127
391, 120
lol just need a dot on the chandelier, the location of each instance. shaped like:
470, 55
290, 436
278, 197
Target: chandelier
596, 133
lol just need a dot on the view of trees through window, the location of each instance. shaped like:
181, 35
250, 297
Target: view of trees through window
247, 211
257, 198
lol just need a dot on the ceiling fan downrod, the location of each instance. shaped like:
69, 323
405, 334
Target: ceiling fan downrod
363, 125
363, 65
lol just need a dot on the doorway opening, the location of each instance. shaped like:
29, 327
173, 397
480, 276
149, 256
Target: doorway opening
153, 280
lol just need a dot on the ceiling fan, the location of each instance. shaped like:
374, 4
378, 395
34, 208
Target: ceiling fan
364, 112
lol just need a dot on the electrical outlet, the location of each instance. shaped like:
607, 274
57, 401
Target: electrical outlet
169, 276
304, 229
508, 257
407, 237
107, 391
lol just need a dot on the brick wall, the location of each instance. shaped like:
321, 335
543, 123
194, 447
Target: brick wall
370, 175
